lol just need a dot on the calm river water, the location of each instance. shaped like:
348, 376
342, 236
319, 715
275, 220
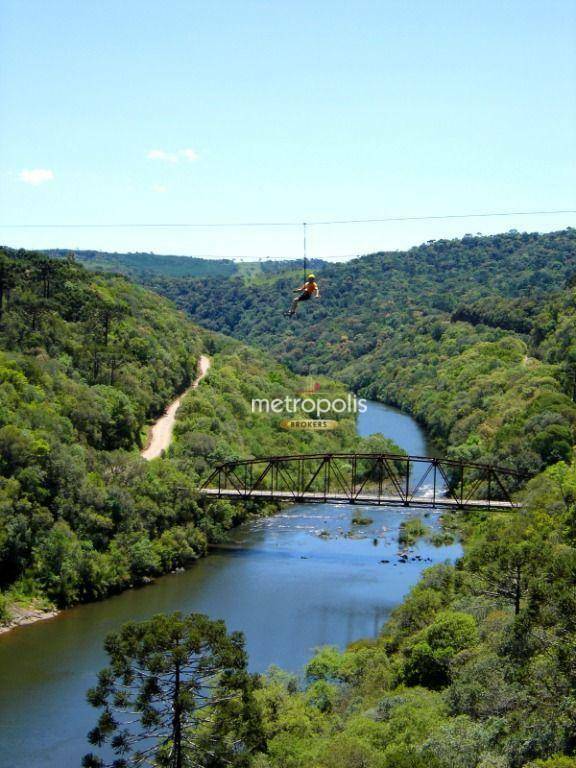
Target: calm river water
288, 589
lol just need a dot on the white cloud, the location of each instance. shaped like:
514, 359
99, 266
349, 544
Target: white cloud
172, 157
189, 154
160, 154
36, 176
160, 188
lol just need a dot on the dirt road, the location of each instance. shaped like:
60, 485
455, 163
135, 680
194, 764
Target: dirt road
161, 431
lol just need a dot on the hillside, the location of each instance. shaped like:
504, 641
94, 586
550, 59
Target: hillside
146, 266
474, 337
384, 291
85, 362
476, 668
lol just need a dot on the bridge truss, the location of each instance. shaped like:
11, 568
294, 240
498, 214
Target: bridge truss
366, 478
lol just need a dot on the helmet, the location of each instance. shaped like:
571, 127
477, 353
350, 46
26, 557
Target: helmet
311, 277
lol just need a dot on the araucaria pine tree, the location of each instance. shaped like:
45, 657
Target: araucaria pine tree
176, 694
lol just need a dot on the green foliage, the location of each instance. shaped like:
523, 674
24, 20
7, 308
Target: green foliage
496, 312
327, 664
216, 422
359, 519
463, 674
152, 267
148, 264
175, 694
4, 610
433, 593
430, 652
411, 530
86, 361
475, 337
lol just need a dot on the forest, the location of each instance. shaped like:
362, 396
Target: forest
477, 338
86, 362
474, 337
146, 266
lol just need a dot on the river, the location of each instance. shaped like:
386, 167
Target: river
285, 586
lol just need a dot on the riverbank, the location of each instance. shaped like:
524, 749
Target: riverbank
20, 612
36, 609
288, 588
24, 614
379, 418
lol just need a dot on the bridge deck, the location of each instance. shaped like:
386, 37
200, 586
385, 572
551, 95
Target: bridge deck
368, 499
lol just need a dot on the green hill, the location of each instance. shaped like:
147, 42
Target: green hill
384, 291
86, 361
147, 266
141, 264
474, 337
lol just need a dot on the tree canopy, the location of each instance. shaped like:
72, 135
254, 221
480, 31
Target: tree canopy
176, 694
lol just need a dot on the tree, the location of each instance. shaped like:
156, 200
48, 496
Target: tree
506, 561
58, 558
176, 694
8, 271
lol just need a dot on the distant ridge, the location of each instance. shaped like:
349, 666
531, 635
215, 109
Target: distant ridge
139, 265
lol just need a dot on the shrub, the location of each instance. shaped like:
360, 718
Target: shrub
411, 530
428, 658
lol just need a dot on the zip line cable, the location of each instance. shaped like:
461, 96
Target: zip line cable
318, 223
305, 255
286, 224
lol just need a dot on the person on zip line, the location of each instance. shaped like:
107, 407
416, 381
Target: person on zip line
310, 288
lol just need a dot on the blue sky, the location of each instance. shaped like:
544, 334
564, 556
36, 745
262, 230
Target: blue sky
137, 111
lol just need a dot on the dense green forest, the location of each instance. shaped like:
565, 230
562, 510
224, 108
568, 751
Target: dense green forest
86, 361
474, 337
146, 266
477, 338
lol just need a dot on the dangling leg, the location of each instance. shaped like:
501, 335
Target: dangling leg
292, 310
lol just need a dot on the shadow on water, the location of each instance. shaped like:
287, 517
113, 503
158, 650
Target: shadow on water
303, 578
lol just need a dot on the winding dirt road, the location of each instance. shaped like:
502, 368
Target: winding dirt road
161, 431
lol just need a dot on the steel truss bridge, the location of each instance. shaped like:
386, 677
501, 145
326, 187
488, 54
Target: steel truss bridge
383, 479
